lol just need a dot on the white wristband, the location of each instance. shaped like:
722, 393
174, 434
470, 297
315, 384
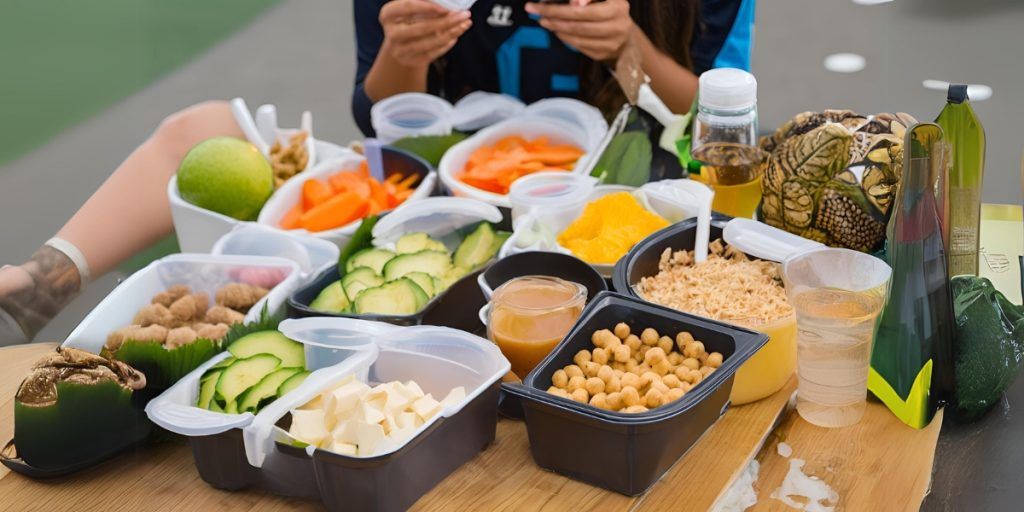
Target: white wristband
74, 255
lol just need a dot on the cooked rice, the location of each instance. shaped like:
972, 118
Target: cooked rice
728, 286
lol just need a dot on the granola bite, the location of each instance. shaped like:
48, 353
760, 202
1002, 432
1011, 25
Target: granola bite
239, 296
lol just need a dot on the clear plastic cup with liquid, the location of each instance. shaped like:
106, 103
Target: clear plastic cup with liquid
838, 295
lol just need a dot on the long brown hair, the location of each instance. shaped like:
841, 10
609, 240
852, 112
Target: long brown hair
669, 24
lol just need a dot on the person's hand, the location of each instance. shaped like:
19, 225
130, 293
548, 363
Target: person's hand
417, 32
600, 30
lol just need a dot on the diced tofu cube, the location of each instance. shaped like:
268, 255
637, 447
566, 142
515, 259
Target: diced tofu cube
308, 426
368, 437
414, 389
455, 397
316, 403
406, 420
371, 413
345, 449
426, 407
345, 398
345, 432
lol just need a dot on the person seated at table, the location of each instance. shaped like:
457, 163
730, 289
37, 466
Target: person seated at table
403, 46
506, 46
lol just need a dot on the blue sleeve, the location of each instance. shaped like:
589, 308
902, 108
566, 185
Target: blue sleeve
724, 35
735, 52
369, 38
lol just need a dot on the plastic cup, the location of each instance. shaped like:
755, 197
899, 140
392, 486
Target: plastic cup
838, 295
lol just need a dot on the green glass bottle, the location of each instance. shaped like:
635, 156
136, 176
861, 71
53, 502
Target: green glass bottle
966, 138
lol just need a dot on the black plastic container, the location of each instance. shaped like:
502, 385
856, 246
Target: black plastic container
628, 453
455, 307
541, 263
642, 260
391, 482
398, 161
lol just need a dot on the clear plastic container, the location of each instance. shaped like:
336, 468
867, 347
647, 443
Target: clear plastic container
480, 109
550, 192
310, 254
578, 113
410, 114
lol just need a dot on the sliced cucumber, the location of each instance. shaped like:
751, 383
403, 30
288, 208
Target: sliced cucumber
425, 281
451, 277
242, 375
215, 407
500, 237
223, 364
291, 353
360, 279
399, 297
476, 249
432, 263
416, 242
292, 383
370, 258
207, 387
265, 390
331, 299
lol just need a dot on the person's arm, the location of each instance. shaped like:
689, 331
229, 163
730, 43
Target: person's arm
396, 43
601, 30
128, 213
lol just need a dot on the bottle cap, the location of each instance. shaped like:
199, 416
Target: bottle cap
957, 93
728, 89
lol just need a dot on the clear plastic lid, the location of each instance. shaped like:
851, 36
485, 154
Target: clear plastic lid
544, 190
727, 89
480, 109
435, 216
254, 239
410, 114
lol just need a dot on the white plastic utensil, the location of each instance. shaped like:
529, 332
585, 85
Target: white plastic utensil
248, 125
374, 158
674, 124
690, 193
266, 123
762, 241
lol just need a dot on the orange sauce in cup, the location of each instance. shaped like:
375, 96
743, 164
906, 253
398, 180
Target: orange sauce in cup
530, 315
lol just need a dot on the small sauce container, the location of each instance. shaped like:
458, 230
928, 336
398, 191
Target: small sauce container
528, 316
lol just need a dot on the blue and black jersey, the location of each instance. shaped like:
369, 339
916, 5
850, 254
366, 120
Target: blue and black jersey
506, 51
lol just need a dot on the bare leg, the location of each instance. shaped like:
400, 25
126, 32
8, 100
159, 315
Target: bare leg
128, 213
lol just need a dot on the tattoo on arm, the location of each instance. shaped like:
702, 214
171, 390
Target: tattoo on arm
56, 282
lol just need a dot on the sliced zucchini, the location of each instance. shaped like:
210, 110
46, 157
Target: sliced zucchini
223, 364
291, 353
331, 299
207, 387
358, 280
425, 281
432, 263
370, 258
242, 375
451, 277
500, 237
292, 383
399, 297
415, 242
215, 407
265, 390
477, 248
231, 407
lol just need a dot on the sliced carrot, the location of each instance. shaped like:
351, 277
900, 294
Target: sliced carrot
314, 192
402, 195
408, 182
494, 168
336, 212
377, 192
375, 207
363, 169
291, 219
393, 178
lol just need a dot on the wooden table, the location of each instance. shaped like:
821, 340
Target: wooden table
877, 465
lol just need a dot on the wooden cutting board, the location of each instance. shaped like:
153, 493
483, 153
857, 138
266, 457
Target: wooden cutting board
504, 477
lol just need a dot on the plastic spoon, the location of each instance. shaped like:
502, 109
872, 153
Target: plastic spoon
689, 194
266, 123
762, 241
374, 158
248, 125
306, 125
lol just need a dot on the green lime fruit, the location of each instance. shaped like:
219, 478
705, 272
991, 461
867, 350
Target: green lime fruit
226, 175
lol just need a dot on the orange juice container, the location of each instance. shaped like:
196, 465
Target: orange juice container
529, 316
771, 367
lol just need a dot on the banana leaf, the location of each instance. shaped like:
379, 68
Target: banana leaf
163, 367
430, 147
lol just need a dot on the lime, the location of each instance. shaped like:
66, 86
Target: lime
226, 175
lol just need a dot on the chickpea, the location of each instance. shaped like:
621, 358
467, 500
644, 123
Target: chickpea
683, 339
643, 368
703, 358
686, 386
622, 330
663, 367
622, 354
573, 371
654, 355
618, 373
577, 382
599, 400
674, 394
552, 390
714, 359
613, 401
590, 369
648, 377
694, 349
635, 409
630, 396
605, 373
600, 356
594, 385
653, 398
659, 385
666, 345
615, 384
562, 393
675, 358
706, 370
581, 358
619, 367
581, 396
631, 366
611, 341
691, 363
649, 337
671, 380
633, 342
682, 373
696, 376
630, 380
560, 378
598, 338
